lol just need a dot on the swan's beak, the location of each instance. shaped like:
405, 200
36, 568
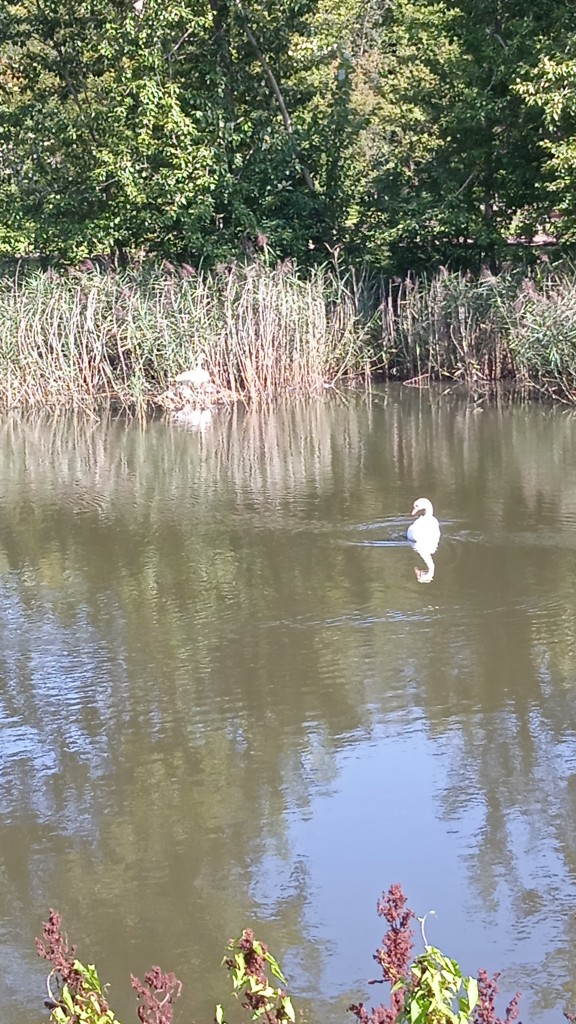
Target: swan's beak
414, 511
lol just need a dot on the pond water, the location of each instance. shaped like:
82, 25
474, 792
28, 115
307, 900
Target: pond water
226, 699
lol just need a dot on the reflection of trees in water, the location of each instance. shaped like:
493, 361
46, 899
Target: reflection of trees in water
265, 452
136, 744
511, 762
505, 459
180, 651
513, 697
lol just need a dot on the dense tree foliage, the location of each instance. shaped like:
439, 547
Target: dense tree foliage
399, 132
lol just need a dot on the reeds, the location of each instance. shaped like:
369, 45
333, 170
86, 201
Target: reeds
450, 324
75, 338
483, 330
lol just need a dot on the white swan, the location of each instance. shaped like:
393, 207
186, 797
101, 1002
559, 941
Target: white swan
198, 377
424, 532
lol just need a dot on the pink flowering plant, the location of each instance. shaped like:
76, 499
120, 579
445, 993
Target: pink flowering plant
428, 988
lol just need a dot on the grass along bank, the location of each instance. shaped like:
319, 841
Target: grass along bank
508, 327
76, 338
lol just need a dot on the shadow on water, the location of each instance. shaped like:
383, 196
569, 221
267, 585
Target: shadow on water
225, 699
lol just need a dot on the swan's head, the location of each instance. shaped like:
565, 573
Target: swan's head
422, 506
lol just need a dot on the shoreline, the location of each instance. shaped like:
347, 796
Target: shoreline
139, 337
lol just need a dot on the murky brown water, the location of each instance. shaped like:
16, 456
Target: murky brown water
226, 700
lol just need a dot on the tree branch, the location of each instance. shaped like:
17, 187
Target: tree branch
279, 98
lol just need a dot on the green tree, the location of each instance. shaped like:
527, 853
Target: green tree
447, 162
392, 129
175, 127
99, 153
548, 84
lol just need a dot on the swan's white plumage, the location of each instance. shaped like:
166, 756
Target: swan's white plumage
198, 377
425, 530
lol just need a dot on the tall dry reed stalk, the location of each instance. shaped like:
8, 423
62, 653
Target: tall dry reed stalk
449, 325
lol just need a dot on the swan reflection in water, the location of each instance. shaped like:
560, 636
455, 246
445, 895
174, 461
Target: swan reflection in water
424, 575
424, 536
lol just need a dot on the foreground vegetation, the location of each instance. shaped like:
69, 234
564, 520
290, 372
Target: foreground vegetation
77, 338
427, 989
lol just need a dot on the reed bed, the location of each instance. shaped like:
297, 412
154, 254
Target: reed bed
513, 328
448, 325
76, 338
